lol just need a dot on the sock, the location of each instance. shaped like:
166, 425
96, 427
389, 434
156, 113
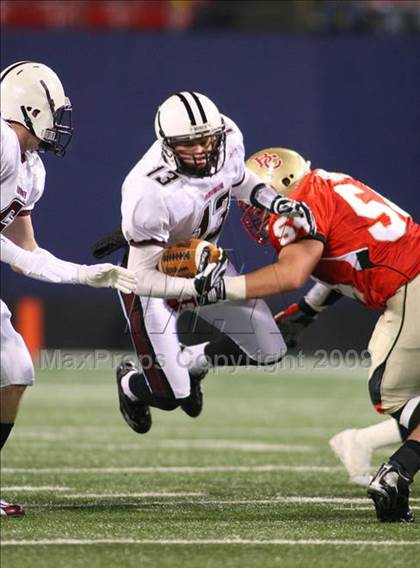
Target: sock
5, 429
403, 431
125, 385
408, 456
381, 434
193, 357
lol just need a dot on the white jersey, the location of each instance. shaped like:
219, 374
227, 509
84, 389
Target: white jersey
22, 183
162, 206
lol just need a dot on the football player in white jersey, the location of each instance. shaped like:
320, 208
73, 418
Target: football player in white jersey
33, 111
182, 188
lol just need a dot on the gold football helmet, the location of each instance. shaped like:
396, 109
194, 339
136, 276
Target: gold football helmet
280, 168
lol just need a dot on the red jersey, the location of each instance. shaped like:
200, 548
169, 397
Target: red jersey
372, 247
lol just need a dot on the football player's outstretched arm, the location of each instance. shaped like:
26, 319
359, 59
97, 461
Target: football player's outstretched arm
21, 252
293, 268
21, 232
257, 193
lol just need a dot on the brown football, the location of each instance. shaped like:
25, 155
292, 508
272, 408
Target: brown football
188, 258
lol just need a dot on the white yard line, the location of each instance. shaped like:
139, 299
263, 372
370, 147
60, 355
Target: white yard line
174, 469
240, 445
134, 495
337, 501
59, 432
35, 488
196, 542
192, 445
359, 508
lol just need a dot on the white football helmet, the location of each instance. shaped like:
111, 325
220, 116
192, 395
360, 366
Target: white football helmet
279, 168
32, 95
186, 119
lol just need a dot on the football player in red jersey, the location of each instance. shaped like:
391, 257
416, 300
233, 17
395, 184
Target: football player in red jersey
367, 248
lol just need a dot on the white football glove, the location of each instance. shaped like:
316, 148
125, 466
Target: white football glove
209, 284
108, 276
284, 206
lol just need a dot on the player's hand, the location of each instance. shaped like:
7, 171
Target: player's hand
299, 209
292, 322
209, 283
108, 276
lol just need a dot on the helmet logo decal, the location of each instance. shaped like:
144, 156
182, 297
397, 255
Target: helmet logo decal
267, 160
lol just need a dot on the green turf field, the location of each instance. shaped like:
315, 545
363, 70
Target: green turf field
251, 482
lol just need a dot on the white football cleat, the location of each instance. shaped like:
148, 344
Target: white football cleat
7, 510
354, 456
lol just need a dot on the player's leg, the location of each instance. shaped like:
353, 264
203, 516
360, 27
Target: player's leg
16, 373
163, 381
395, 389
250, 335
354, 447
390, 487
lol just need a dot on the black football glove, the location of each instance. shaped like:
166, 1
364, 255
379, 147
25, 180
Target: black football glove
109, 244
292, 322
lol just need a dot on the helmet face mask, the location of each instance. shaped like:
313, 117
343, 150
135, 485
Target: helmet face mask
255, 222
57, 138
192, 134
197, 164
32, 95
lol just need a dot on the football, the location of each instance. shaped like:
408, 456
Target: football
188, 258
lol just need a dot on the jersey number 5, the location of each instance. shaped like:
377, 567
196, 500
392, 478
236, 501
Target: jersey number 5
389, 226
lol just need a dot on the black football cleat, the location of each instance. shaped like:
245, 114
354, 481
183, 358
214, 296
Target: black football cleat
193, 404
390, 490
10, 511
135, 412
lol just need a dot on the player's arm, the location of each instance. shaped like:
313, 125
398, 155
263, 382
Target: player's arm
292, 269
143, 260
293, 320
42, 265
146, 227
21, 232
252, 190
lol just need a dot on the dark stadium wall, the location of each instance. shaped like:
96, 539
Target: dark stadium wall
346, 103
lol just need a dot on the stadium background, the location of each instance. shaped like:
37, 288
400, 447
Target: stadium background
345, 95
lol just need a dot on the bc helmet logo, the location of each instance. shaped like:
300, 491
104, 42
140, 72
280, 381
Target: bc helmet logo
268, 160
